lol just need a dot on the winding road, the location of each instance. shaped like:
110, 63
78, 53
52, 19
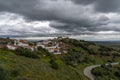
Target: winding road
87, 70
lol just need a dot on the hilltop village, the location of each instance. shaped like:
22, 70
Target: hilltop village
53, 46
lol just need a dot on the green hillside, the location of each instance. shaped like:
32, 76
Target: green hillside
24, 64
107, 72
23, 68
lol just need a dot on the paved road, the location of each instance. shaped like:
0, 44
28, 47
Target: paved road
87, 70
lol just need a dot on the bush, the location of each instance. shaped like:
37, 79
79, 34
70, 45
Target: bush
43, 51
21, 78
15, 72
26, 52
54, 64
117, 73
4, 74
72, 58
97, 71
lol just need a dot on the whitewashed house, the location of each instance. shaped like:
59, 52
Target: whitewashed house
11, 47
32, 48
50, 49
21, 43
53, 48
46, 41
40, 44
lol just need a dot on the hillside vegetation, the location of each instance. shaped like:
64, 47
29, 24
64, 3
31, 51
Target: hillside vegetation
87, 52
107, 72
13, 67
24, 64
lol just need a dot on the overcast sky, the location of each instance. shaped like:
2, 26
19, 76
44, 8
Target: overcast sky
81, 19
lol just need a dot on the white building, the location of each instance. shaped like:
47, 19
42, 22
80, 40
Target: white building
11, 47
40, 44
54, 48
21, 43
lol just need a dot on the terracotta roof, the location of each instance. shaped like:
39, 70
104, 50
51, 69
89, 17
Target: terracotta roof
24, 41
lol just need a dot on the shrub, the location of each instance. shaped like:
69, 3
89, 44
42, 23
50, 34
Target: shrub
21, 78
26, 52
15, 72
117, 73
72, 58
54, 64
97, 71
43, 51
4, 74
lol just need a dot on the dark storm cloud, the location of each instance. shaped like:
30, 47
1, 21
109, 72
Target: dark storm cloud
72, 16
49, 10
108, 5
32, 9
85, 2
29, 9
102, 5
24, 7
82, 25
69, 27
66, 12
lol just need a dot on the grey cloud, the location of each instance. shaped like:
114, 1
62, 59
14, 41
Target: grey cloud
103, 18
83, 25
84, 2
66, 12
105, 6
71, 16
108, 5
32, 9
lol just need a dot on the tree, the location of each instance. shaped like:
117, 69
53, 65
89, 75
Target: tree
8, 38
26, 52
54, 64
117, 73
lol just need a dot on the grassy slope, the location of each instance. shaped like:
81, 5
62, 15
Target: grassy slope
38, 69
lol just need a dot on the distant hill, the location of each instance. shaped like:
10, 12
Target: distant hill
107, 42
